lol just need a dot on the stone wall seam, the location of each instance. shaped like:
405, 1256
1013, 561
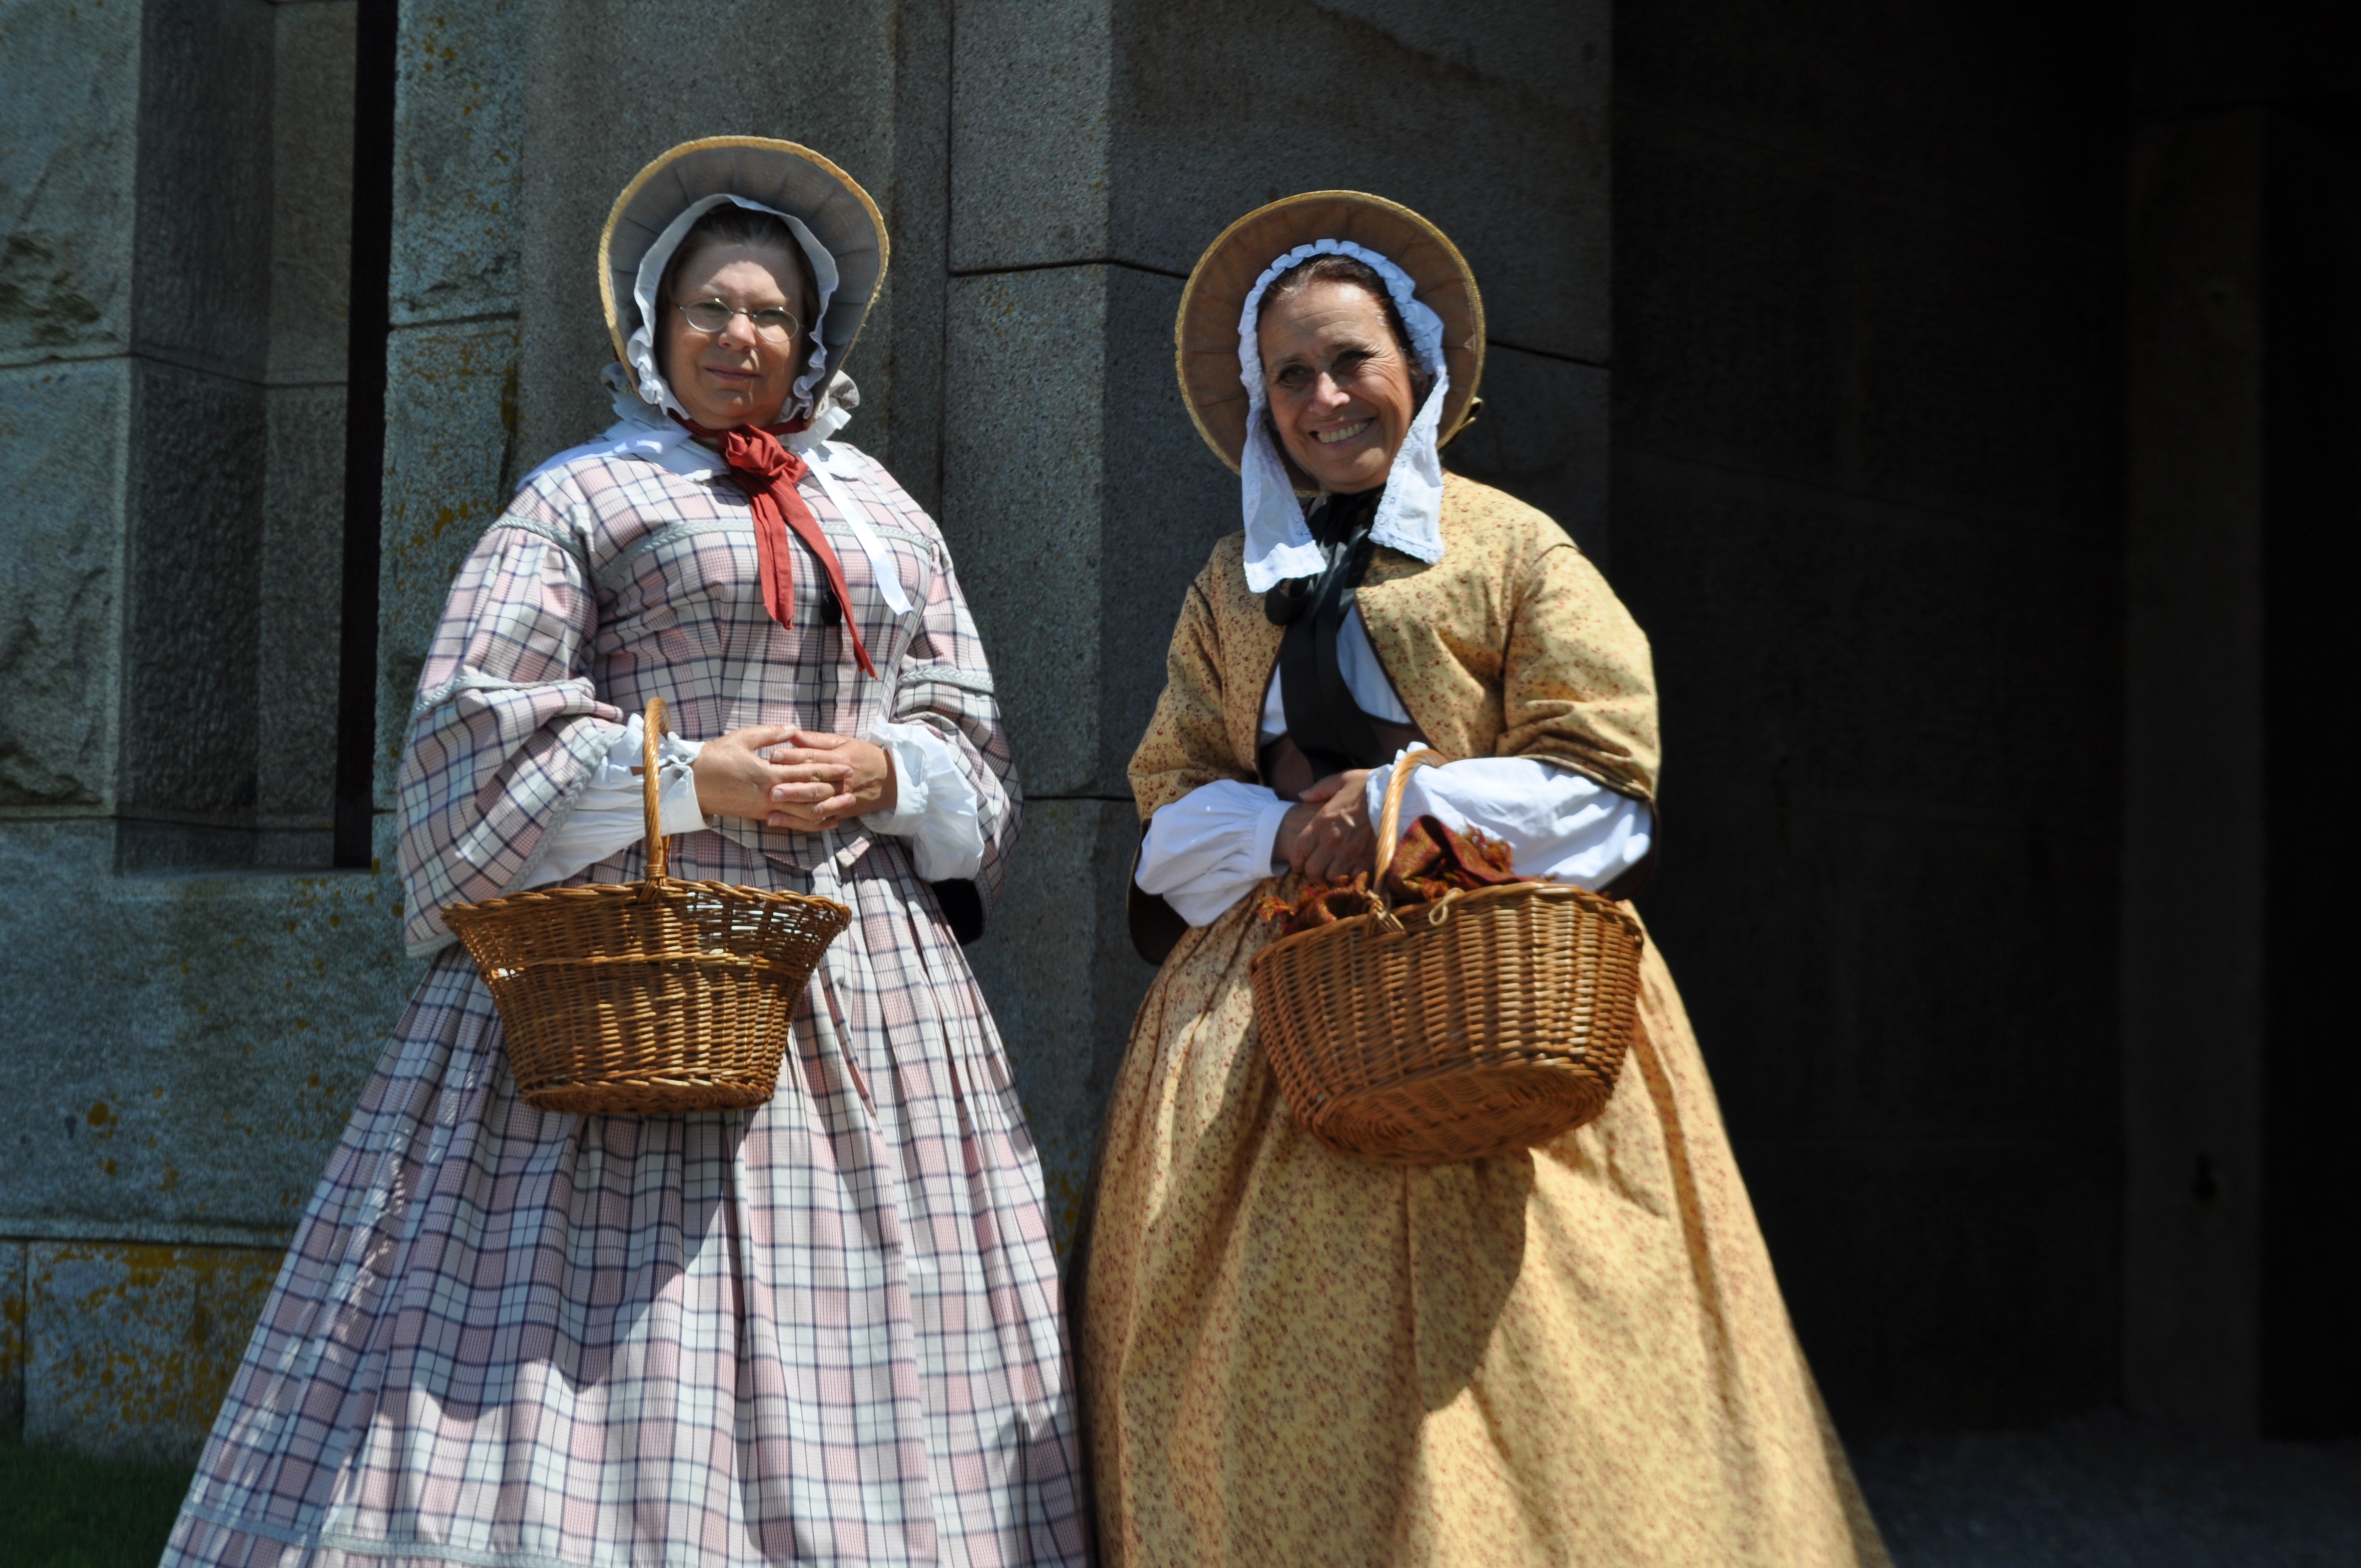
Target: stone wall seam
21, 1229
1128, 263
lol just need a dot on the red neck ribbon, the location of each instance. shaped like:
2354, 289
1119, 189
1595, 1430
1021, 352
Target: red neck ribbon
770, 474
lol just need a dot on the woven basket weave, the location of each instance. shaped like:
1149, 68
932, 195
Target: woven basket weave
647, 998
1481, 1023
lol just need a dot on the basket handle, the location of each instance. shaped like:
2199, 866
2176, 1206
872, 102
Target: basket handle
1390, 820
651, 733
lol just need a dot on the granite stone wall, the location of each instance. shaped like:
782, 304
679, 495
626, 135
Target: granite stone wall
193, 1000
197, 1016
1836, 393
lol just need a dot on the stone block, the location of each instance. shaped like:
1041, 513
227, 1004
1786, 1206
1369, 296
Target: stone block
1169, 499
12, 1341
1810, 643
1033, 116
197, 472
902, 415
1961, 100
458, 137
1079, 502
1217, 108
450, 461
62, 505
1056, 968
183, 1051
132, 1347
311, 196
1790, 318
1024, 505
299, 611
68, 157
1555, 51
205, 184
1541, 436
596, 113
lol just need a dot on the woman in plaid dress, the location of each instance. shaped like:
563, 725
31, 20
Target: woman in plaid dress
827, 1328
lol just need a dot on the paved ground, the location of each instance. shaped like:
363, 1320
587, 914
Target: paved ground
2113, 1492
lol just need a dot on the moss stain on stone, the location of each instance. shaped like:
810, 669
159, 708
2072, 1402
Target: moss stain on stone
36, 287
147, 1336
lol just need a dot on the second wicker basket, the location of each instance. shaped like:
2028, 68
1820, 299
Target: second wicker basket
1471, 1025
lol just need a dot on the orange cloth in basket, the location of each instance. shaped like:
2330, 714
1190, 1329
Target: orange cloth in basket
1433, 859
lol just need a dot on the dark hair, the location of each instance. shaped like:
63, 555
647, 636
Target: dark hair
730, 224
1334, 269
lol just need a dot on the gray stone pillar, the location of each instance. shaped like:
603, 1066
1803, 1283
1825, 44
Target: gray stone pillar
182, 1046
1096, 149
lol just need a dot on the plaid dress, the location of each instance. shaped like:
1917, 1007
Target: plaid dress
825, 1330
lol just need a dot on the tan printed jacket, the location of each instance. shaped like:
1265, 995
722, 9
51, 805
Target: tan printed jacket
1512, 645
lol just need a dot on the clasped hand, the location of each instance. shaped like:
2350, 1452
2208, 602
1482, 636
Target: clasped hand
803, 780
1326, 834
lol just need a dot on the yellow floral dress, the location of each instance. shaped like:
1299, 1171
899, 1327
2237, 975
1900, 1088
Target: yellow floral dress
1577, 1354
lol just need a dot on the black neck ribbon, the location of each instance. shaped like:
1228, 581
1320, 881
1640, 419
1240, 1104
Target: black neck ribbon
1326, 725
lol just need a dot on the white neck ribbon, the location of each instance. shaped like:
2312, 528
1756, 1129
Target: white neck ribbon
1410, 514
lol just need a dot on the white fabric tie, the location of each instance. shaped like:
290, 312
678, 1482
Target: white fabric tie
1410, 514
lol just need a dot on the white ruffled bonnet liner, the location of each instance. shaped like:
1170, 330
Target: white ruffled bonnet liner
640, 347
1410, 514
831, 216
1218, 360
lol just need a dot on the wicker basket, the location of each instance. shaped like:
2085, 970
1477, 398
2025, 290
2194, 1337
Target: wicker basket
1481, 1023
647, 998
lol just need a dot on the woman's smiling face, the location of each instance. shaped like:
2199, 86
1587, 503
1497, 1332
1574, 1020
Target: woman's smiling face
740, 375
1340, 385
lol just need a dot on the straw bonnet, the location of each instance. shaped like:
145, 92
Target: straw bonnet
778, 174
1205, 338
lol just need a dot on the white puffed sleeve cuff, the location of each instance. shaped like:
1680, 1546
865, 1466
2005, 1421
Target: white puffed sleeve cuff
934, 802
1557, 823
1208, 848
610, 814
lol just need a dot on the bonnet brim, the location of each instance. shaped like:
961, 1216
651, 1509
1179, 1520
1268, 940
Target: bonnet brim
1205, 336
777, 174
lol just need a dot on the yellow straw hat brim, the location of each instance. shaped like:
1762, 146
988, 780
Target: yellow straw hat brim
1205, 338
778, 174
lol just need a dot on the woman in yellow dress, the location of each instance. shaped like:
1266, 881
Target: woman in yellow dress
1571, 1355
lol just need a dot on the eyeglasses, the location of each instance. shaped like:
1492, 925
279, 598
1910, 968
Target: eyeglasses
774, 321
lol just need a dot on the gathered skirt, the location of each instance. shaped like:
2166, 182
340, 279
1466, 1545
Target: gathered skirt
1574, 1354
824, 1330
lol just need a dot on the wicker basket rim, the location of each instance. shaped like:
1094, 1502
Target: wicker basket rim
701, 958
587, 893
1406, 913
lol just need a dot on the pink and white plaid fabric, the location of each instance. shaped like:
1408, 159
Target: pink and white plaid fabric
823, 1330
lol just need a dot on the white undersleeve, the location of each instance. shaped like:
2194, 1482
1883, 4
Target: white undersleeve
1559, 824
935, 805
611, 815
1208, 849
